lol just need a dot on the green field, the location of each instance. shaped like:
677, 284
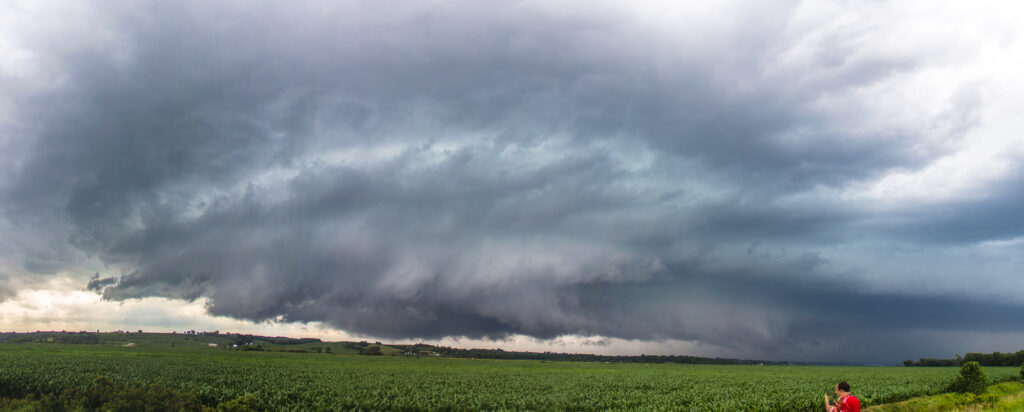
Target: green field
340, 381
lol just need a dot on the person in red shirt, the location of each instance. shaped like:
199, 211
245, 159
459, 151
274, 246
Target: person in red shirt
846, 402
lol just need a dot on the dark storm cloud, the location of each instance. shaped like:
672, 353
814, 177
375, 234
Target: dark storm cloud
778, 316
97, 284
991, 216
462, 169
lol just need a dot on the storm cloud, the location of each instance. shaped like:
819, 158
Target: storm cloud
744, 175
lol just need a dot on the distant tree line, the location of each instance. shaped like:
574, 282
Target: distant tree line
933, 362
364, 348
983, 359
287, 341
248, 342
315, 349
577, 357
56, 337
243, 339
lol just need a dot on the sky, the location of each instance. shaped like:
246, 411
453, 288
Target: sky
820, 181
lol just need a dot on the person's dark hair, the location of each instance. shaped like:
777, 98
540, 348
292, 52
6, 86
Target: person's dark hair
843, 386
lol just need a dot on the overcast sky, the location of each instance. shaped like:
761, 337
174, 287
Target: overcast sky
809, 181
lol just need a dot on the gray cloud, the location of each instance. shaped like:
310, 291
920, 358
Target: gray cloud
97, 284
466, 170
982, 218
5, 290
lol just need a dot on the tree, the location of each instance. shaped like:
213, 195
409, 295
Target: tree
972, 379
328, 350
372, 351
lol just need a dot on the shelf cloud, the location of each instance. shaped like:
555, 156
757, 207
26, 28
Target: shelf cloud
798, 180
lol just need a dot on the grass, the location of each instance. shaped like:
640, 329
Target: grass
1011, 397
1001, 397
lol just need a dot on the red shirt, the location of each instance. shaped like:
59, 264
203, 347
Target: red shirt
848, 403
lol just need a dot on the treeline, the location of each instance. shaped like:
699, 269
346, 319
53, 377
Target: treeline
249, 339
983, 359
248, 342
56, 337
286, 341
577, 357
364, 348
933, 362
